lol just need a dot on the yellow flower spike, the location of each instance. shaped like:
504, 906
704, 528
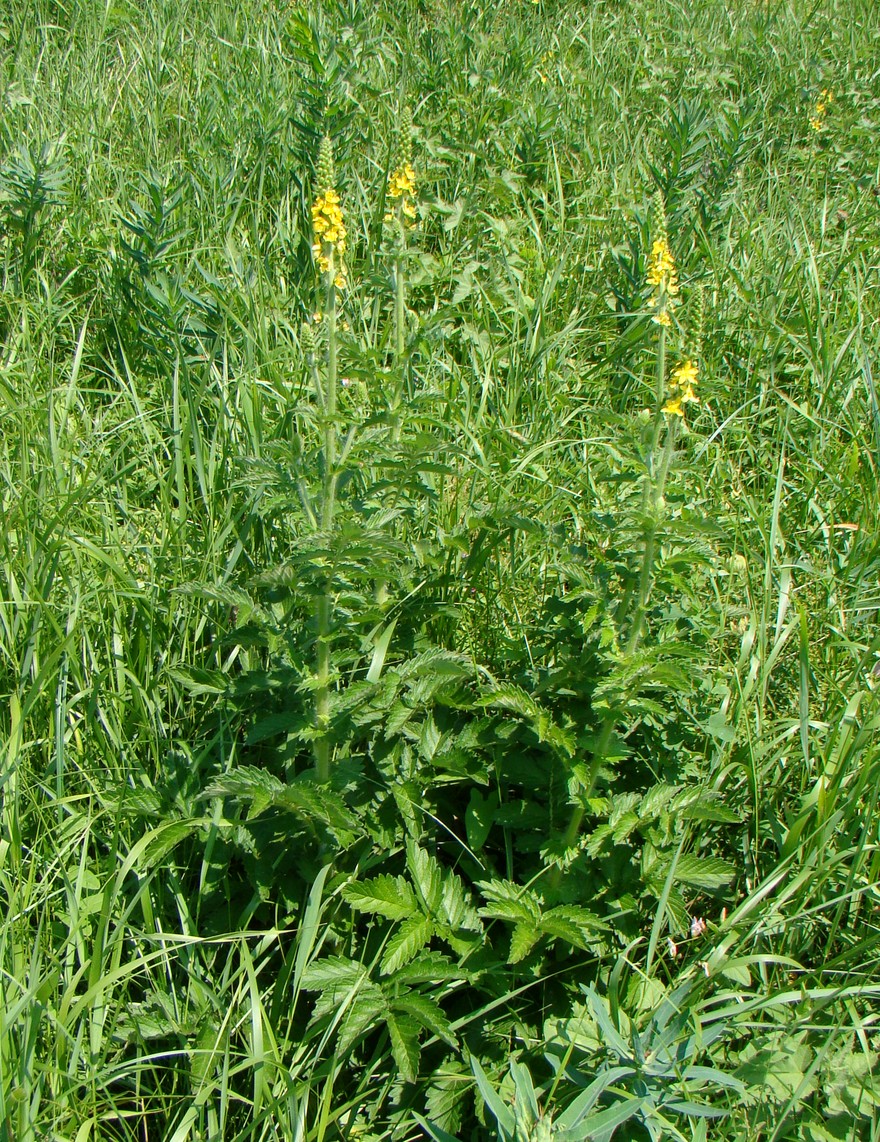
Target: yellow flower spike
682, 381
817, 119
401, 190
662, 273
327, 221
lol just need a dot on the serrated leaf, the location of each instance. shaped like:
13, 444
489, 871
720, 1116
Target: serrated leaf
430, 967
163, 839
586, 920
368, 1009
435, 1130
404, 1033
656, 799
332, 972
317, 801
704, 872
570, 924
427, 876
624, 826
336, 1002
199, 681
429, 1014
509, 901
522, 939
407, 941
447, 1091
388, 896
251, 786
456, 909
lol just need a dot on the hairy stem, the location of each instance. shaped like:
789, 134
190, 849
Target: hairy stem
655, 483
324, 606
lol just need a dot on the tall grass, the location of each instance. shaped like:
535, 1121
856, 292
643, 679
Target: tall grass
530, 791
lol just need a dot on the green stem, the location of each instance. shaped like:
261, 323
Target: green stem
660, 396
399, 322
324, 606
655, 483
381, 588
399, 308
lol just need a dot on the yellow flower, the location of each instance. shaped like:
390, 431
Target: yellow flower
663, 276
401, 192
329, 229
817, 119
402, 182
685, 375
661, 268
682, 381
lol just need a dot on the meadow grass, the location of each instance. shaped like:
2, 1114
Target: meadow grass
412, 726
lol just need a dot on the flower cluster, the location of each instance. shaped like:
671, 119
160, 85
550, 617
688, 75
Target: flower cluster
817, 119
327, 222
681, 389
663, 277
329, 229
402, 189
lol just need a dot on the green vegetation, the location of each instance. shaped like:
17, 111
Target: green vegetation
439, 581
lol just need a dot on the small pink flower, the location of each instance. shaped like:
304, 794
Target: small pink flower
698, 926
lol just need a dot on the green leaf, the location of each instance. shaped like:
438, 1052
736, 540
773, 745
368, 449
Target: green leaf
427, 876
388, 896
381, 642
434, 1130
449, 1087
606, 1122
430, 967
456, 908
406, 942
522, 939
429, 1014
565, 923
704, 872
404, 1032
503, 1113
332, 972
479, 818
368, 1009
509, 901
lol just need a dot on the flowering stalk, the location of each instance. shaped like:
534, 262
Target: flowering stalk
817, 119
668, 410
400, 194
400, 212
328, 248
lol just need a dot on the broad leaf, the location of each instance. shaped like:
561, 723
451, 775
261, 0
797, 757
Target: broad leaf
429, 1014
704, 872
404, 1032
389, 896
522, 939
406, 942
